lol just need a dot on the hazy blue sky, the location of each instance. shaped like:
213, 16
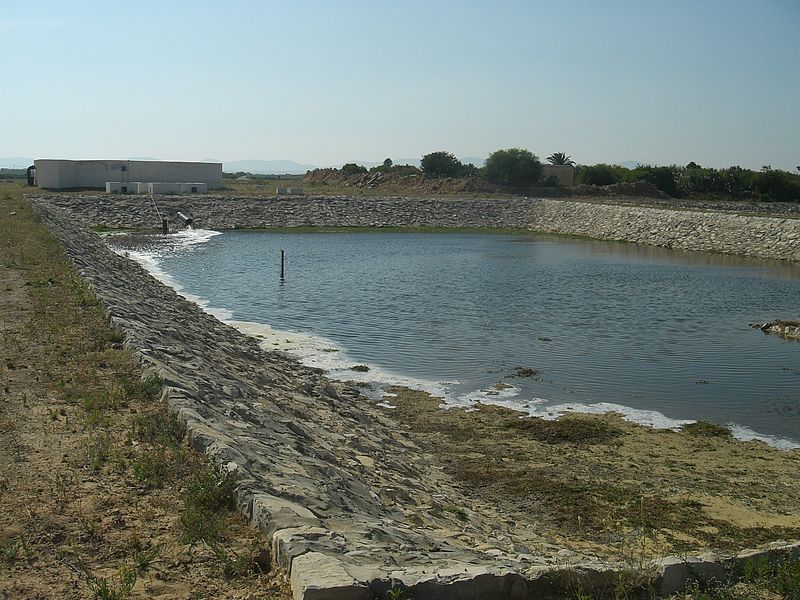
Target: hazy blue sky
325, 82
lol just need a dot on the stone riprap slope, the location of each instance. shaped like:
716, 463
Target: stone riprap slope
776, 237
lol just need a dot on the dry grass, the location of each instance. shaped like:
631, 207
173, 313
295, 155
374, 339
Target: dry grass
94, 478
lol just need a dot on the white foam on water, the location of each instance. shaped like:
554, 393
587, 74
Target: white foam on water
496, 394
326, 354
191, 237
649, 418
320, 352
740, 432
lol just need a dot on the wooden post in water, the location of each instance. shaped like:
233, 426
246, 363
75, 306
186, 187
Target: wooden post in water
164, 226
282, 266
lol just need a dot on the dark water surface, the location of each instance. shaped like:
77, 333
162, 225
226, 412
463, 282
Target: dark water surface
645, 328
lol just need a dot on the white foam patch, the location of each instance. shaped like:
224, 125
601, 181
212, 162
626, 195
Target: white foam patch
191, 237
310, 349
496, 394
740, 432
650, 418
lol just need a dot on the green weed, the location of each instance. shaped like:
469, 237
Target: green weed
98, 450
149, 387
199, 524
158, 427
211, 489
143, 558
240, 565
110, 588
210, 492
151, 468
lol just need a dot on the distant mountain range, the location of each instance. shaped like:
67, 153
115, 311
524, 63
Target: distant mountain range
266, 167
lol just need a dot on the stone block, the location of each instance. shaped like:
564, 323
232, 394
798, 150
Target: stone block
318, 576
270, 513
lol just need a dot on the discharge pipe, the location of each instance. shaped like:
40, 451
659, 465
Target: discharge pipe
186, 220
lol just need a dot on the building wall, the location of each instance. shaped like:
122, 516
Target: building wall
61, 174
564, 173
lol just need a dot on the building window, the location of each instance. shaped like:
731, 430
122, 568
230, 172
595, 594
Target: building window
194, 189
124, 189
124, 167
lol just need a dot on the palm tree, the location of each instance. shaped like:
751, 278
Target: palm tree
560, 158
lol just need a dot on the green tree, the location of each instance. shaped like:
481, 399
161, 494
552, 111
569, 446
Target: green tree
600, 174
353, 169
774, 184
388, 163
661, 177
560, 158
514, 167
441, 164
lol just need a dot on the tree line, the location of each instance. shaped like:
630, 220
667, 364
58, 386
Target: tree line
520, 169
768, 184
512, 167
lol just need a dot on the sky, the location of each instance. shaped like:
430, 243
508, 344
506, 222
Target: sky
329, 82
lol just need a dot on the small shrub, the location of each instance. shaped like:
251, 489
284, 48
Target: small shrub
211, 489
152, 468
199, 524
148, 388
209, 492
600, 174
158, 427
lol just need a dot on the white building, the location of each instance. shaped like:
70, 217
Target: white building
65, 174
139, 187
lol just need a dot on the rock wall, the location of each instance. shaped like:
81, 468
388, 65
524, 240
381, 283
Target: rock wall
745, 235
774, 237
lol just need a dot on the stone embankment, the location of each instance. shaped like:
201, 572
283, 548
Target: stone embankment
352, 505
724, 230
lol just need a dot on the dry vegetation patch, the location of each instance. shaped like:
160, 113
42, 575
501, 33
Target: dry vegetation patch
595, 482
